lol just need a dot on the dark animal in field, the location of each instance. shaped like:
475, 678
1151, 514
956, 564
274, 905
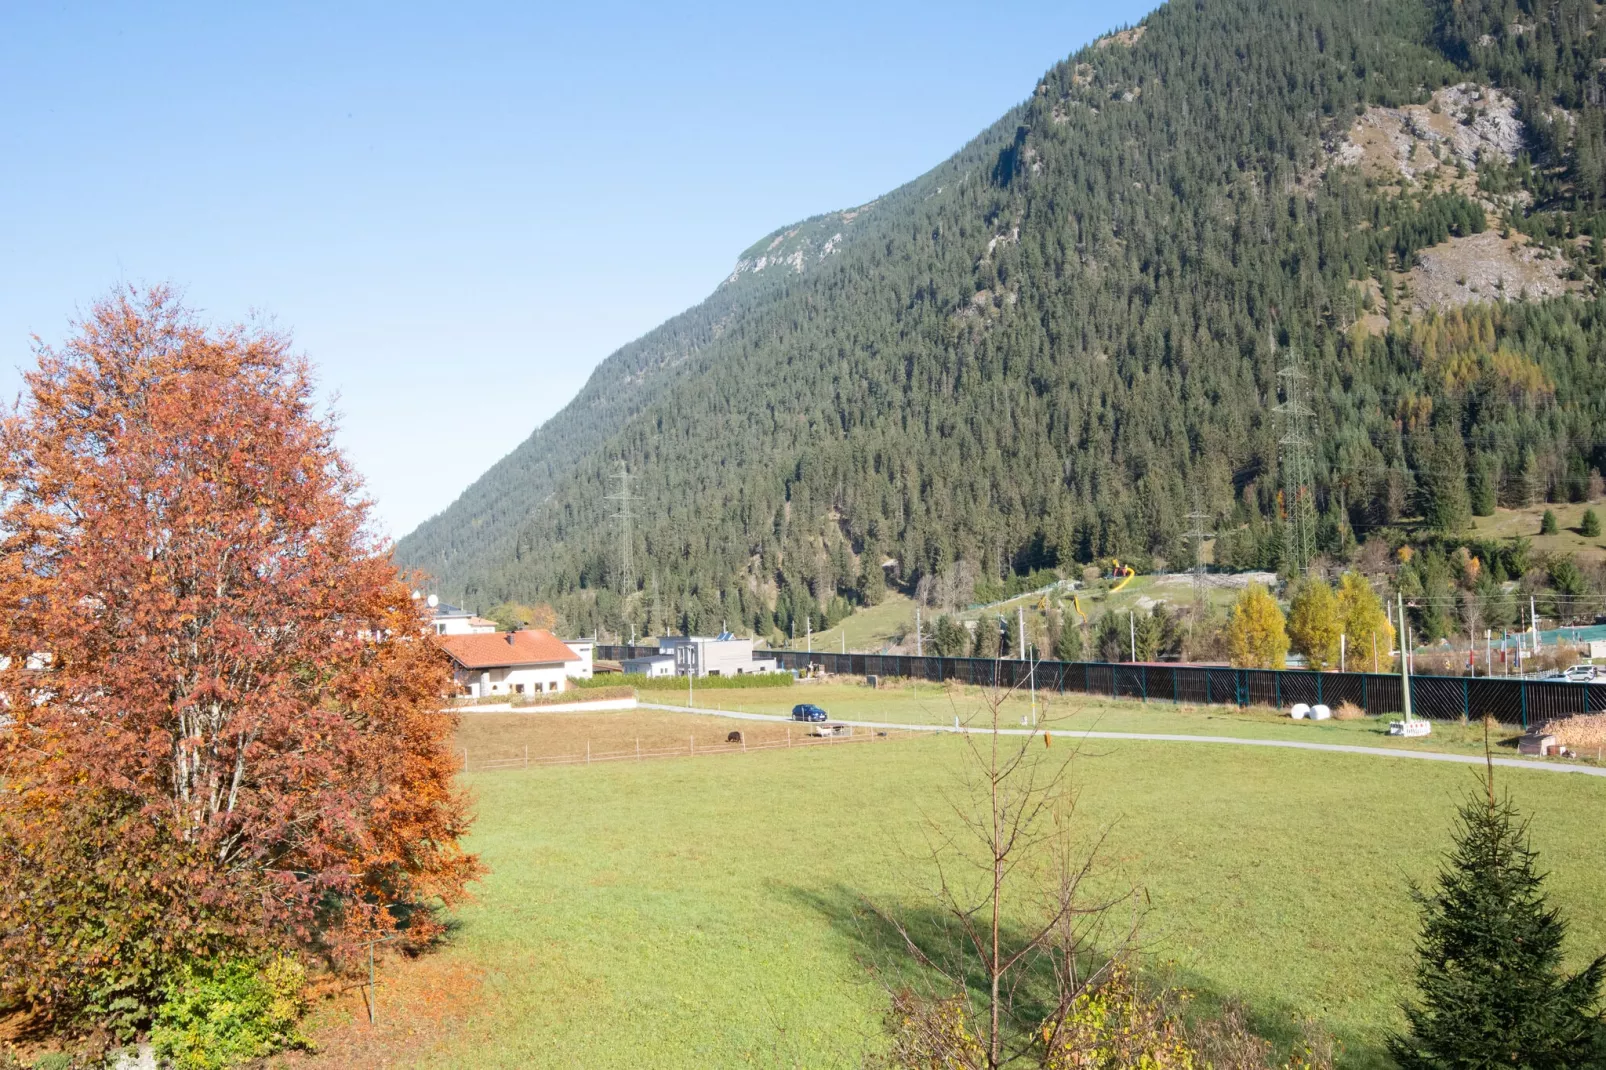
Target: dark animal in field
734, 737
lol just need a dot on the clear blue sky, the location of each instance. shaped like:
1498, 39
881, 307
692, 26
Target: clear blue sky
458, 210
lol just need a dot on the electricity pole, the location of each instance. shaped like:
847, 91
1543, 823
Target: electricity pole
1197, 535
1299, 490
627, 568
1405, 661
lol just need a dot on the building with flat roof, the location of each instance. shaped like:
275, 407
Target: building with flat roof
721, 655
650, 665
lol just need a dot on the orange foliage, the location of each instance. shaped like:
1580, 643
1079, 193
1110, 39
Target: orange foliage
233, 741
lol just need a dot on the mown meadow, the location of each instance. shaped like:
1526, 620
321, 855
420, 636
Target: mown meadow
711, 911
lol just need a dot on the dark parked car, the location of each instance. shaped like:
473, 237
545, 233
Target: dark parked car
807, 711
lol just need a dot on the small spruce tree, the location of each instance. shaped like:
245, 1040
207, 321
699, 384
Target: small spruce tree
1069, 645
986, 639
1547, 523
1589, 528
1488, 972
872, 585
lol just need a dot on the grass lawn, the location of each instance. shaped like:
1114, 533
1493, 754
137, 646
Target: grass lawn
939, 704
868, 630
1510, 523
705, 912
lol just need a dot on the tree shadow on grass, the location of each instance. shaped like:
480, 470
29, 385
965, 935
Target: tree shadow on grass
880, 932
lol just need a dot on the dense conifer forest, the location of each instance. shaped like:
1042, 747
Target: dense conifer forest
1055, 345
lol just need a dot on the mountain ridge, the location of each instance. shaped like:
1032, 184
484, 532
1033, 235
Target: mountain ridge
1049, 348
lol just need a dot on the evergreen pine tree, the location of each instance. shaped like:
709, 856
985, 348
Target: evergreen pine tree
1151, 635
872, 586
1110, 639
1589, 528
1446, 505
1547, 523
986, 639
1483, 485
1489, 976
1068, 647
950, 638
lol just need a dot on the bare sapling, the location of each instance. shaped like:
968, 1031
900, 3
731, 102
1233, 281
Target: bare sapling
1021, 937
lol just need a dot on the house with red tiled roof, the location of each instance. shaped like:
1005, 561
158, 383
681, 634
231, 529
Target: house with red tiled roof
528, 662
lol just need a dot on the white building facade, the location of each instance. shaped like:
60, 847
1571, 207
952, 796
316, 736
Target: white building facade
530, 662
725, 655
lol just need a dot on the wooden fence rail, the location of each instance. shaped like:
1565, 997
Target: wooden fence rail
471, 764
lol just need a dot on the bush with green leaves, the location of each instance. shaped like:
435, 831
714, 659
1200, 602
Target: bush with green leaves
1547, 523
223, 1014
1589, 528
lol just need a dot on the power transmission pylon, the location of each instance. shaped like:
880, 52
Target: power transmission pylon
627, 568
1299, 483
1197, 535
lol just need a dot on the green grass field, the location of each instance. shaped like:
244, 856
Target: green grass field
1511, 523
868, 630
706, 912
912, 703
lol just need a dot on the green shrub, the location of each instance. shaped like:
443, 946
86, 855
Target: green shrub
1547, 523
219, 1015
609, 688
1590, 527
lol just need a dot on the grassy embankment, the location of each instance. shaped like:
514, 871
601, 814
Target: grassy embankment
696, 913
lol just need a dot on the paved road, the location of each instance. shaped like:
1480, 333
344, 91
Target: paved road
1157, 737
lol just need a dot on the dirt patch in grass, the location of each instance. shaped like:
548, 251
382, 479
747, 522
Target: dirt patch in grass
421, 1002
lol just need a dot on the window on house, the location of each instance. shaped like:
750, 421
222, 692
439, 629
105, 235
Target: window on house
519, 688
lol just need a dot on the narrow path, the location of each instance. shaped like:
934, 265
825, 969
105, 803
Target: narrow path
1157, 737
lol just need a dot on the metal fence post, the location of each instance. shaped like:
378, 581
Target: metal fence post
1277, 688
1318, 689
1466, 700
1143, 678
1522, 687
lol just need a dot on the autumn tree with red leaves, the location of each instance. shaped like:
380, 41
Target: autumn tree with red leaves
225, 732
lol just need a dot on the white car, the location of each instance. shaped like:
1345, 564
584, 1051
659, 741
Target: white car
1581, 674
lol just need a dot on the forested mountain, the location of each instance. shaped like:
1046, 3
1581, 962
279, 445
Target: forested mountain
1056, 344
